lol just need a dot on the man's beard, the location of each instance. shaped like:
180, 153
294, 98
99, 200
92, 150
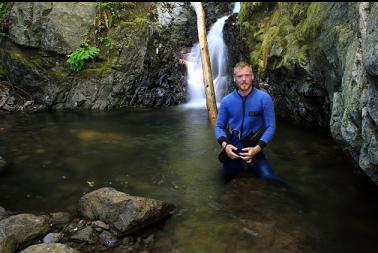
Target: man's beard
244, 86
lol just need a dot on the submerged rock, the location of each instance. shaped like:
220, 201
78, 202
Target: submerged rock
124, 213
52, 238
108, 239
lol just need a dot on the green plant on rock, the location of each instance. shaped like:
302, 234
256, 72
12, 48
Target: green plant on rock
78, 57
4, 19
107, 12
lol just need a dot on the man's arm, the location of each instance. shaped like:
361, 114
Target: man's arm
270, 129
221, 131
269, 121
221, 125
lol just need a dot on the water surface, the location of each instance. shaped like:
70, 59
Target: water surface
171, 154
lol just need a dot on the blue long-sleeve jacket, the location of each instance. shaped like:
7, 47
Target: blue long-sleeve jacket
246, 114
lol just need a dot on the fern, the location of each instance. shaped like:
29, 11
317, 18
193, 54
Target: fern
77, 58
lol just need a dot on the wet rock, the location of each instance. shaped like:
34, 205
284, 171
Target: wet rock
52, 238
87, 235
59, 218
3, 213
101, 225
49, 248
108, 239
16, 99
149, 239
124, 213
19, 230
8, 244
371, 50
73, 227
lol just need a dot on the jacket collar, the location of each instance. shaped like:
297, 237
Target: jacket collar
237, 92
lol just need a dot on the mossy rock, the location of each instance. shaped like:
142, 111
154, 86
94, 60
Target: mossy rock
281, 34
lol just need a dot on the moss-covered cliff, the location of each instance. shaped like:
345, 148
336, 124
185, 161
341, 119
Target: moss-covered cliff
318, 59
130, 37
138, 64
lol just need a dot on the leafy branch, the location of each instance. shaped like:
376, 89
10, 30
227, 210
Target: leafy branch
78, 58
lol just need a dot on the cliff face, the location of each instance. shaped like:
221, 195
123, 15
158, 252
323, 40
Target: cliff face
141, 45
138, 63
320, 60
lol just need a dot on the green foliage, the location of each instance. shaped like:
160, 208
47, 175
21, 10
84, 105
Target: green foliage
2, 9
254, 19
107, 12
4, 19
77, 58
282, 34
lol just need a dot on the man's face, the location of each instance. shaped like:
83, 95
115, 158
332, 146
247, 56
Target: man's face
243, 78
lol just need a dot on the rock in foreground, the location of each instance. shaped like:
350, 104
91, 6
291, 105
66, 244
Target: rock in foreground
50, 248
124, 213
19, 230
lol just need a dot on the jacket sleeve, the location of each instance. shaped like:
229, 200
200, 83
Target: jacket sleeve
221, 125
269, 120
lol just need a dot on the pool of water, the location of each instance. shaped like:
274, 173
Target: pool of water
171, 154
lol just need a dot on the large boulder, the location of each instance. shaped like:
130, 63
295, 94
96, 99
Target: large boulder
51, 26
49, 248
124, 213
20, 230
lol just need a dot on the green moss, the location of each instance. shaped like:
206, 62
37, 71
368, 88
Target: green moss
270, 37
282, 34
23, 58
30, 59
345, 33
4, 71
254, 19
4, 18
130, 19
309, 29
256, 61
96, 69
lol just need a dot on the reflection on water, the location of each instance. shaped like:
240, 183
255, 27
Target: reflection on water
171, 155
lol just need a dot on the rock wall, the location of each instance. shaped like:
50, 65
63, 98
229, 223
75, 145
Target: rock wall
138, 64
320, 60
41, 34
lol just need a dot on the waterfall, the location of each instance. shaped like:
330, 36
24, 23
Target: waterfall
219, 64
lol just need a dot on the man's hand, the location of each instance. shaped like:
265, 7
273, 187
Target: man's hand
249, 153
230, 150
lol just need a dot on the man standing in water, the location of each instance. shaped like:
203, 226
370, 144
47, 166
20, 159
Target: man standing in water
244, 112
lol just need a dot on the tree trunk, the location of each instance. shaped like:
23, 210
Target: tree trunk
211, 102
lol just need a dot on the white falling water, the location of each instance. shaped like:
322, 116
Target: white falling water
219, 64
